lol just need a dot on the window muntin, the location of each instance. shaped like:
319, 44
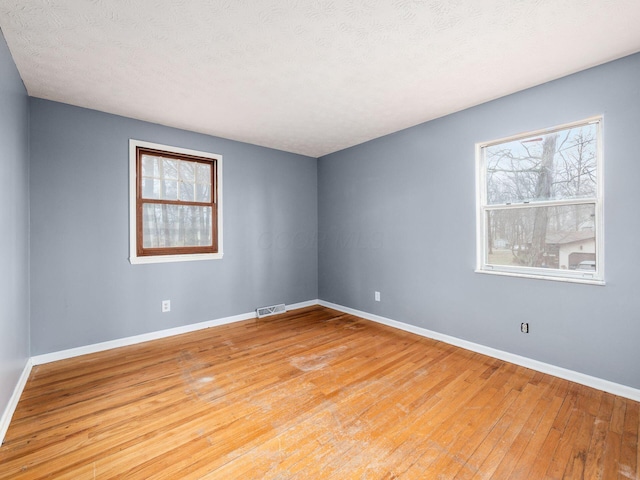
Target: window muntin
166, 178
176, 211
540, 204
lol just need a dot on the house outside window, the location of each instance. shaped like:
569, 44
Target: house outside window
175, 203
540, 204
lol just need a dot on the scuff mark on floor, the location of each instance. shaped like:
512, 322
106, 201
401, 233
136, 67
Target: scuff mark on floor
201, 387
627, 472
315, 362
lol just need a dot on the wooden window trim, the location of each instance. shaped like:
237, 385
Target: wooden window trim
140, 254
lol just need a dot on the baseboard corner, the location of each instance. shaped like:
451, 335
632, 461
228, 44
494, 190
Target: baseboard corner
10, 409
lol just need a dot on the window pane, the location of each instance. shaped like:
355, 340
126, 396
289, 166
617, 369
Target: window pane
554, 166
150, 166
176, 226
187, 171
186, 191
204, 173
203, 193
169, 169
150, 188
560, 237
169, 190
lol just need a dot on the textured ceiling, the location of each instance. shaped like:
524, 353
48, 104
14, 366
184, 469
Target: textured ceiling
305, 76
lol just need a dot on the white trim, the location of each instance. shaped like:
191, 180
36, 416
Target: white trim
309, 303
174, 258
542, 131
573, 376
145, 337
133, 254
10, 409
542, 277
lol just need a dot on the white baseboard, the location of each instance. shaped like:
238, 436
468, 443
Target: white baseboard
577, 377
296, 306
5, 420
145, 337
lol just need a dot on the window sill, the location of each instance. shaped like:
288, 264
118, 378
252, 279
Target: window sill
175, 258
587, 281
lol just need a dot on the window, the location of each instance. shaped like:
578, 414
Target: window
539, 205
175, 204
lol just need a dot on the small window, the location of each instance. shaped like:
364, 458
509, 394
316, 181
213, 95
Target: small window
540, 204
175, 204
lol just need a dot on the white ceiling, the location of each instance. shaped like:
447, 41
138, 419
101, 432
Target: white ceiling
305, 76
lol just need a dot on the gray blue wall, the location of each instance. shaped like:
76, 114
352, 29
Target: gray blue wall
14, 226
83, 288
397, 215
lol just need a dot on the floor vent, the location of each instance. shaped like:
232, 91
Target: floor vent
271, 310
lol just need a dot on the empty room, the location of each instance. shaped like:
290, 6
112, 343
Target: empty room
300, 239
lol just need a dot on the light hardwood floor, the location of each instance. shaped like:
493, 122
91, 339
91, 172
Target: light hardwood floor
310, 394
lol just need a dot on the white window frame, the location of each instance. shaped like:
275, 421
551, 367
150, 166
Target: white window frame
133, 256
482, 265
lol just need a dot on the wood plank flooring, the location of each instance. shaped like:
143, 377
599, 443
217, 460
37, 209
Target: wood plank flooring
310, 394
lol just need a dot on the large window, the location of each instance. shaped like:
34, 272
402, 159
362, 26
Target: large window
175, 204
540, 204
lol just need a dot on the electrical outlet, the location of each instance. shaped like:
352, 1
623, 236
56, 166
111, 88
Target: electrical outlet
377, 296
524, 327
166, 306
